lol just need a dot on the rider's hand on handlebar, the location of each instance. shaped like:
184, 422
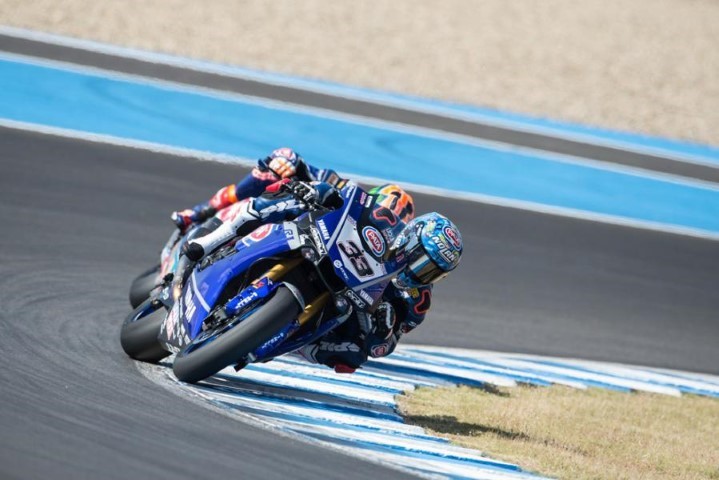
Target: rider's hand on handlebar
304, 191
282, 167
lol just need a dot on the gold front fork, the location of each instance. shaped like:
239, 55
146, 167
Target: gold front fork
312, 308
276, 274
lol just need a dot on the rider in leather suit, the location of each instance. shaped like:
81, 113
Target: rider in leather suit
280, 164
405, 301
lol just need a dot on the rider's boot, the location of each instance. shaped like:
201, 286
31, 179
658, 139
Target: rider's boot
185, 264
201, 246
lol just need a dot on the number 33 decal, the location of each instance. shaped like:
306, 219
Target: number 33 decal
356, 256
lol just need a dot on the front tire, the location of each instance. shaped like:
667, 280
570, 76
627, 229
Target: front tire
235, 344
140, 330
143, 285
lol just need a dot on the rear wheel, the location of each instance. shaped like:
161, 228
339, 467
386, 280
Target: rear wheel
211, 353
140, 331
143, 285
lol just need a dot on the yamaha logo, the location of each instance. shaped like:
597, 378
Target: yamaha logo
374, 240
323, 229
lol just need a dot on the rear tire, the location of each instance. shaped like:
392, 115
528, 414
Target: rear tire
140, 330
143, 285
234, 345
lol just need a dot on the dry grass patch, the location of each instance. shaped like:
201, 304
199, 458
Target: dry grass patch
577, 434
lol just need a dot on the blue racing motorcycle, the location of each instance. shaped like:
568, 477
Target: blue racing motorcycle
273, 291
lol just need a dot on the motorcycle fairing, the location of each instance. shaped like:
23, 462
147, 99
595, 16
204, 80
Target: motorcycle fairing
333, 230
353, 261
204, 287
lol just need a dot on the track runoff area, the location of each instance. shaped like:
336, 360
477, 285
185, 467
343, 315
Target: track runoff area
357, 413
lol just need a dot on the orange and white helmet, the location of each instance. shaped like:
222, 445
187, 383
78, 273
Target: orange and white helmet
396, 199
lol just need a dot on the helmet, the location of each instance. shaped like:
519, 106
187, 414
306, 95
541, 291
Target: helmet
286, 163
432, 245
396, 199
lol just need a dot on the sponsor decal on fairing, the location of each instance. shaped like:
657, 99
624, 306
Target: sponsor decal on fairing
355, 299
374, 240
258, 234
323, 229
366, 296
319, 244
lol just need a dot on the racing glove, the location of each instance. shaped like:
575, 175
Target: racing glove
183, 219
318, 193
383, 320
282, 167
304, 191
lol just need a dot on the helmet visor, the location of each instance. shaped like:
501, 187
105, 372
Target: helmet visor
421, 269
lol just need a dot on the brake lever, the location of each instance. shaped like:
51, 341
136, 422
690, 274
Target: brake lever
313, 204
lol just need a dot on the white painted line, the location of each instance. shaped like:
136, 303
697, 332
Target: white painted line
317, 386
303, 413
648, 376
469, 375
302, 368
500, 371
126, 143
324, 88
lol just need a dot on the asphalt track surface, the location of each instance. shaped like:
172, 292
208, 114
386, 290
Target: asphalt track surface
80, 220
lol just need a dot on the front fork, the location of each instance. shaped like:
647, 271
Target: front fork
263, 288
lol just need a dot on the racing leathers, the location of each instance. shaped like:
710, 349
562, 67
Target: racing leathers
281, 163
361, 336
275, 205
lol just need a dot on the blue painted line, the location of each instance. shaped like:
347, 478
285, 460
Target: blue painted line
554, 376
419, 372
361, 372
314, 421
414, 453
682, 388
709, 154
289, 399
679, 375
293, 388
704, 153
480, 367
329, 381
190, 118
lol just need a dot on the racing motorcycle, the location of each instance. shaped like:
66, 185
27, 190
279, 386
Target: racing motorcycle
143, 285
273, 291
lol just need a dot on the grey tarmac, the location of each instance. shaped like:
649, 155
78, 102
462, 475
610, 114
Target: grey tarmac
81, 219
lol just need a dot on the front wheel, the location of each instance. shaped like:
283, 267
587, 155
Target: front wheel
198, 362
140, 331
